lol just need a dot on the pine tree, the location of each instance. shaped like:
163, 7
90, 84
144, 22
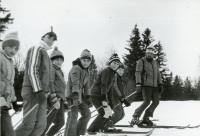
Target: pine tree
93, 71
147, 39
5, 20
161, 59
135, 52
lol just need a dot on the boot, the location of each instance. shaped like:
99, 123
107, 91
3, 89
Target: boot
147, 122
135, 120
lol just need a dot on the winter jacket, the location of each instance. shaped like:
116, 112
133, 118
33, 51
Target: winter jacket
104, 84
78, 81
57, 83
7, 74
147, 73
118, 87
38, 67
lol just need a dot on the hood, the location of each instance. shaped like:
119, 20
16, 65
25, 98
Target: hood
77, 62
4, 53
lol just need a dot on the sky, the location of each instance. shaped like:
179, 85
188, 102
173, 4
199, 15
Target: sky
101, 24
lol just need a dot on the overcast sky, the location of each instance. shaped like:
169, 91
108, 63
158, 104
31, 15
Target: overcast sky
99, 24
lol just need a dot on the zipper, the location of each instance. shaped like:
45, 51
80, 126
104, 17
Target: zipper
153, 73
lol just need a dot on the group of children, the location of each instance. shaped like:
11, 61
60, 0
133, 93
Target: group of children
46, 95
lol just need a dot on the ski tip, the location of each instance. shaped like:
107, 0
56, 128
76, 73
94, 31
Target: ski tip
197, 126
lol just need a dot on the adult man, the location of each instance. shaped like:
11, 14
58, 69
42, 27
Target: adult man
148, 80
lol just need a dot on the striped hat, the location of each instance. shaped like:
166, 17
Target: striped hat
56, 54
11, 39
114, 57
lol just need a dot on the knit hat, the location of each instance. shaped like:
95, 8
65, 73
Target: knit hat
56, 54
11, 39
86, 54
121, 65
50, 33
113, 58
151, 49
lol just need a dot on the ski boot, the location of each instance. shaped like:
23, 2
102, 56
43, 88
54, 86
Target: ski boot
135, 121
146, 122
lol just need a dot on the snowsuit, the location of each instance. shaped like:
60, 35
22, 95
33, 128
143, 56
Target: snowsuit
148, 74
103, 85
36, 78
118, 93
7, 74
78, 82
57, 86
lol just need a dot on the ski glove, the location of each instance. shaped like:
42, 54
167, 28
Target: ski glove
40, 95
2, 101
89, 101
75, 96
66, 105
16, 107
52, 99
126, 103
160, 88
138, 88
57, 104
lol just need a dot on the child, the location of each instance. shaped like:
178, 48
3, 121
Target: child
78, 95
36, 87
101, 94
57, 87
10, 47
119, 96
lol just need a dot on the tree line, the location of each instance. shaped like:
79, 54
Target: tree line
175, 88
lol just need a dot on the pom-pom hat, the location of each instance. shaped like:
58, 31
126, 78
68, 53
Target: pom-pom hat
114, 57
56, 54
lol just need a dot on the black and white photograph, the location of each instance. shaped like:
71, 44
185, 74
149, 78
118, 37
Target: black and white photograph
99, 68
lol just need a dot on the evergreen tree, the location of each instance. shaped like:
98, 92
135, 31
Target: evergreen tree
147, 39
93, 71
4, 21
187, 89
161, 59
135, 52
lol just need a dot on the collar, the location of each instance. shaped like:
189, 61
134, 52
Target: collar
56, 67
4, 53
44, 45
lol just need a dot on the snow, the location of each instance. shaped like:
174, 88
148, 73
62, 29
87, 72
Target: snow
168, 112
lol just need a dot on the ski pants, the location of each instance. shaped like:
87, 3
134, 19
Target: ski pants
74, 127
99, 121
6, 123
118, 111
35, 122
149, 94
57, 117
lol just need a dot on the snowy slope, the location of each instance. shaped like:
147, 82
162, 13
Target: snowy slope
168, 113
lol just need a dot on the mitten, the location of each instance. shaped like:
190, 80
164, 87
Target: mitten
40, 95
16, 107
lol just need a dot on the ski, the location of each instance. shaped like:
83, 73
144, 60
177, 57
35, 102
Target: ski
123, 133
197, 126
155, 126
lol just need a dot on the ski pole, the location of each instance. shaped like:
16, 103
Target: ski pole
52, 109
27, 114
16, 111
97, 109
13, 113
113, 108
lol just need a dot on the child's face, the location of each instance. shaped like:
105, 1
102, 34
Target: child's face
85, 62
58, 62
48, 40
114, 65
120, 71
11, 50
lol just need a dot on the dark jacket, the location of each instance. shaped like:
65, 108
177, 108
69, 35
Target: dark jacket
104, 84
118, 91
57, 83
78, 81
38, 67
148, 74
